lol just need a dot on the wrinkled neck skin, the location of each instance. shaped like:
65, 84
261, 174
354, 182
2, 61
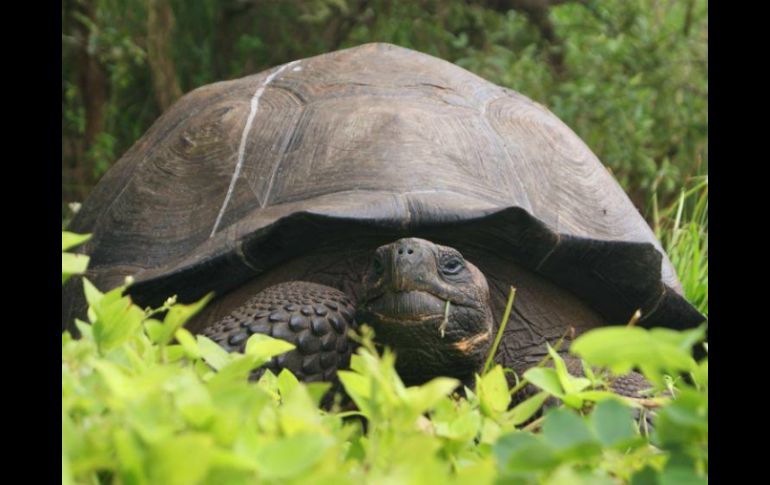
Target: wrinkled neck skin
431, 306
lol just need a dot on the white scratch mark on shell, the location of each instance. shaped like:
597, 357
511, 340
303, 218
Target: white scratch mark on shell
244, 137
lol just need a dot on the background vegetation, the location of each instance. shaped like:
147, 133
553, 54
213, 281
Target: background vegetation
629, 76
143, 401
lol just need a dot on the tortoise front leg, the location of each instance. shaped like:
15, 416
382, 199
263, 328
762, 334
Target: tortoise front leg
315, 318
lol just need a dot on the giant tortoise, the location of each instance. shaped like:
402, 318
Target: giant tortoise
379, 185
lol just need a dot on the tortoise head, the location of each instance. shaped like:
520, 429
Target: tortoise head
431, 306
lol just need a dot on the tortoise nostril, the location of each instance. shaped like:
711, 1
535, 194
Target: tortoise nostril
409, 251
400, 251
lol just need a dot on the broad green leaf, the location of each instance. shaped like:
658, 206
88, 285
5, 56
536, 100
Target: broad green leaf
623, 348
131, 457
289, 457
226, 459
568, 432
613, 423
465, 427
569, 474
117, 381
155, 330
213, 353
266, 347
681, 476
701, 374
597, 396
561, 371
523, 452
526, 409
424, 397
683, 339
684, 421
72, 264
117, 319
546, 379
492, 389
181, 459
269, 382
238, 369
317, 391
178, 315
646, 476
573, 400
358, 388
70, 239
86, 330
93, 296
188, 342
286, 382
298, 412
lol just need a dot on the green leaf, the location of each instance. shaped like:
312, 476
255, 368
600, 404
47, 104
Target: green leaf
623, 348
289, 457
681, 476
597, 396
561, 371
178, 315
646, 476
492, 389
613, 423
130, 456
684, 421
93, 296
154, 329
117, 319
286, 382
523, 452
238, 369
70, 239
526, 409
424, 397
701, 374
317, 390
181, 459
188, 343
546, 379
86, 330
568, 432
213, 353
72, 264
265, 347
358, 388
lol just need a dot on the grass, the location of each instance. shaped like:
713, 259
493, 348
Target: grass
682, 229
144, 401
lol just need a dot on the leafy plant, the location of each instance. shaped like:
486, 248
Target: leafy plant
144, 401
72, 264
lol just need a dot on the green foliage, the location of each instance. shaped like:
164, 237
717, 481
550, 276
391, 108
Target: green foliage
683, 230
144, 401
72, 264
632, 81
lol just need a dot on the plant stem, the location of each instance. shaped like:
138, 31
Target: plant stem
500, 331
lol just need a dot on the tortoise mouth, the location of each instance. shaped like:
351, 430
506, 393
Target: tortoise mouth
406, 307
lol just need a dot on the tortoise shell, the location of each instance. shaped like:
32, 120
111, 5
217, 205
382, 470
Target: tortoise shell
240, 176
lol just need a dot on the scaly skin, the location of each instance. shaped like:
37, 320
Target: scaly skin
422, 299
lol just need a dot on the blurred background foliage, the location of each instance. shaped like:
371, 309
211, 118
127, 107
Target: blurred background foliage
629, 76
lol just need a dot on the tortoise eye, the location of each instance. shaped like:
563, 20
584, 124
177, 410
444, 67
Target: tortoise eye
452, 266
